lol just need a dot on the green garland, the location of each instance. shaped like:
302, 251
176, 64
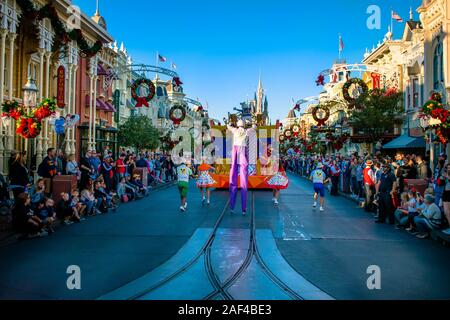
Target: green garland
62, 36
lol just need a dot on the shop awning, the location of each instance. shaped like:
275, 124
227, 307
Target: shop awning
406, 142
101, 71
101, 105
110, 107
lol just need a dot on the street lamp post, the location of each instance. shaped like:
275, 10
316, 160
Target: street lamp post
29, 101
30, 93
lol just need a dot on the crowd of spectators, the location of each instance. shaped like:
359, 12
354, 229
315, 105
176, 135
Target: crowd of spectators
102, 182
402, 190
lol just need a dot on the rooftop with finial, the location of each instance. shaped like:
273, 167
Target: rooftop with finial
98, 18
389, 34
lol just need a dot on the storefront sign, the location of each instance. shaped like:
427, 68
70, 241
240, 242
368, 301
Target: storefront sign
61, 87
116, 103
376, 83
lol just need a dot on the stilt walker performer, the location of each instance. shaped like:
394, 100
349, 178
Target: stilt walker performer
239, 157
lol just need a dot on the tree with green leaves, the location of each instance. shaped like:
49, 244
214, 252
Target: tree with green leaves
139, 132
378, 113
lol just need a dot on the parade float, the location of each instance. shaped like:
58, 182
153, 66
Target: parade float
263, 150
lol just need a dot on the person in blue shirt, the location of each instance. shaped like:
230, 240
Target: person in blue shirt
319, 180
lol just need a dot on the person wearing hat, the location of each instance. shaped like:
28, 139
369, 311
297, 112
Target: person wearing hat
430, 218
369, 185
384, 188
240, 158
319, 179
107, 170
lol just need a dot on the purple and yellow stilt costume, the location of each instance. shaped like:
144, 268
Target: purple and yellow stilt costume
239, 158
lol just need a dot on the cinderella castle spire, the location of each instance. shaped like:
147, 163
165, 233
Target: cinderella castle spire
260, 97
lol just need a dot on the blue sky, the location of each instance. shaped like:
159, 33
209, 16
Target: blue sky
220, 46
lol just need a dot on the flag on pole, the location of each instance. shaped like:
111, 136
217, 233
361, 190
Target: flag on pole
174, 66
161, 58
396, 17
341, 44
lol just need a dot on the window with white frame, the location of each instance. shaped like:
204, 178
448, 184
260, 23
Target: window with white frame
415, 89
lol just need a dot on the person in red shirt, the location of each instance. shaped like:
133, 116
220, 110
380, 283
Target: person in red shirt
121, 167
369, 185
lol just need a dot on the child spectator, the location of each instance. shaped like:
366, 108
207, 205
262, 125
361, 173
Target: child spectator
131, 188
88, 198
46, 213
37, 193
401, 214
123, 191
77, 204
24, 220
67, 211
412, 209
136, 181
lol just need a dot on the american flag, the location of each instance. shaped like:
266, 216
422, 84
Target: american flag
341, 44
396, 16
161, 58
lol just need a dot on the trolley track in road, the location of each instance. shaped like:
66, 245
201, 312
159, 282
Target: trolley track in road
221, 288
253, 252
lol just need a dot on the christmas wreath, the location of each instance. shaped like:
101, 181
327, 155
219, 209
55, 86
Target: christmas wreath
345, 90
288, 133
177, 114
142, 100
320, 120
28, 127
282, 138
296, 130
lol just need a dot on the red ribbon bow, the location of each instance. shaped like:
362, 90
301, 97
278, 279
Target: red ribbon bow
142, 101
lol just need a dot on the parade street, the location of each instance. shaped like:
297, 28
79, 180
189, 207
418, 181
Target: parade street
149, 250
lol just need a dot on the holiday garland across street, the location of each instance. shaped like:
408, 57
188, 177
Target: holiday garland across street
62, 36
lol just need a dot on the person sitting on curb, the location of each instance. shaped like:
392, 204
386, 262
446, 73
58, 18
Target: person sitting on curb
24, 219
46, 213
429, 219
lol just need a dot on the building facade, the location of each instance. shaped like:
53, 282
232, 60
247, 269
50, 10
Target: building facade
27, 50
435, 19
